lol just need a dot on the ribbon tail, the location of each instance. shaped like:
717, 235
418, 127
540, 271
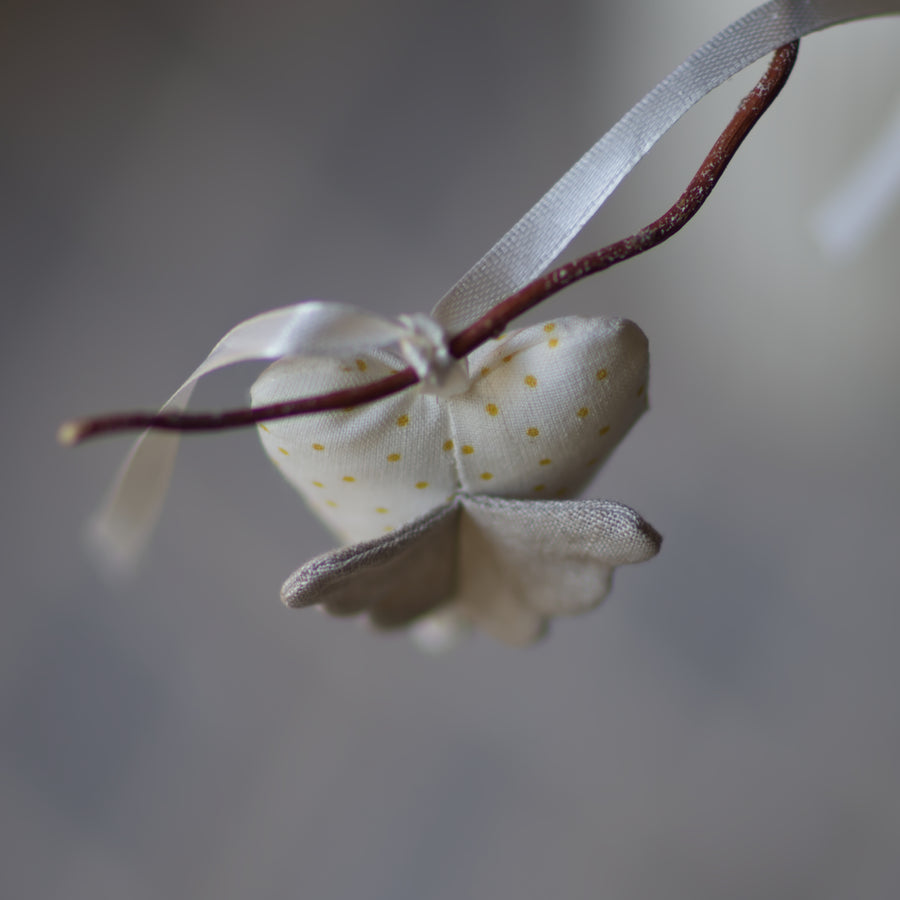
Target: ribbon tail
119, 532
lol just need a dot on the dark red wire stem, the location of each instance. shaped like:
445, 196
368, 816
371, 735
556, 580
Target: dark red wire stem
751, 109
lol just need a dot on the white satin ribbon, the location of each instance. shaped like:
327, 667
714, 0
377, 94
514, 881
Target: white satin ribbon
547, 229
123, 526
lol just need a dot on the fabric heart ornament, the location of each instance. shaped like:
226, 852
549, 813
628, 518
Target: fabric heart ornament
411, 484
541, 409
407, 482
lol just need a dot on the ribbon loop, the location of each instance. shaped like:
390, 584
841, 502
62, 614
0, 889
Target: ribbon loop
551, 224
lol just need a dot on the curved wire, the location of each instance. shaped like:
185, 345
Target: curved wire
750, 111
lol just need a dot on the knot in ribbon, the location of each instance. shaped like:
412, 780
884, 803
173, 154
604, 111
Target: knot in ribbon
425, 348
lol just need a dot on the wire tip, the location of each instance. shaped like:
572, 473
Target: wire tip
70, 433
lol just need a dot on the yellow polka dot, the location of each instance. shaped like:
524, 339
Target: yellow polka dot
508, 358
318, 484
549, 327
403, 421
532, 432
553, 342
491, 409
486, 476
540, 487
468, 449
393, 457
546, 462
641, 389
318, 446
361, 365
582, 413
601, 374
263, 426
380, 509
592, 462
349, 478
282, 450
604, 429
388, 528
330, 503
448, 445
531, 381
421, 484
485, 371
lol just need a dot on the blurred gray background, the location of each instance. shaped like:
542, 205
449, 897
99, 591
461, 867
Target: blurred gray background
728, 724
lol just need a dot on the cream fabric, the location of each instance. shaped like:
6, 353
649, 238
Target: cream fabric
522, 563
544, 407
506, 566
395, 578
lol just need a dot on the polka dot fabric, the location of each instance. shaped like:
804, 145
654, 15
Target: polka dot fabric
366, 470
544, 407
547, 405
